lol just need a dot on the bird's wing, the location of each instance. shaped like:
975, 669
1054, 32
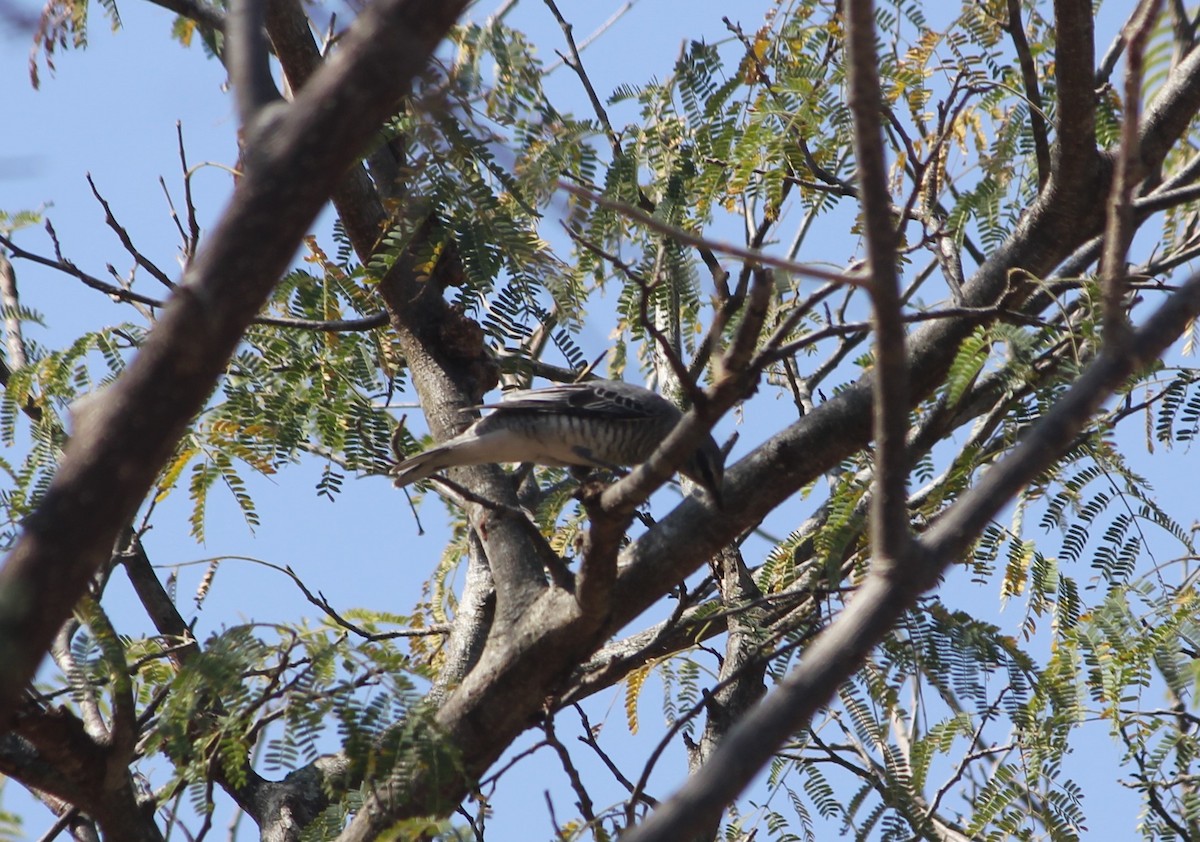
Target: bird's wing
608, 399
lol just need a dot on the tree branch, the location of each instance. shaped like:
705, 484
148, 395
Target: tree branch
249, 66
1029, 76
889, 512
880, 602
133, 426
1119, 230
1076, 156
212, 17
120, 293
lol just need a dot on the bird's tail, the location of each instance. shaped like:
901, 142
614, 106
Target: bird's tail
422, 466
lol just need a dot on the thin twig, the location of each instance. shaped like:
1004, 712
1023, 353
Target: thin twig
193, 241
575, 63
65, 266
697, 241
1120, 228
589, 739
774, 351
126, 241
584, 801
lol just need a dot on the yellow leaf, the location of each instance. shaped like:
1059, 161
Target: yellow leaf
633, 688
171, 474
761, 42
183, 29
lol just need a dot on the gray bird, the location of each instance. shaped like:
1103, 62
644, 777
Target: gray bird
595, 424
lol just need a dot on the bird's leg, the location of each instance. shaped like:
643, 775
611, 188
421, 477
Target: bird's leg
591, 484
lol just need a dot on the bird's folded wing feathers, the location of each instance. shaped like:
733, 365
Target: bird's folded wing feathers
599, 399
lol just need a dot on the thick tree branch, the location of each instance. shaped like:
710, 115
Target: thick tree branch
1075, 154
880, 602
1168, 115
90, 774
354, 195
207, 15
131, 429
743, 669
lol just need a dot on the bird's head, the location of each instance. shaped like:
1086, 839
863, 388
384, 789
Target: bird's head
706, 468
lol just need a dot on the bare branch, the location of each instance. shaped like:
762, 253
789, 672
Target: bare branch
1037, 122
575, 63
1120, 228
249, 65
584, 802
192, 239
123, 235
753, 256
118, 293
889, 514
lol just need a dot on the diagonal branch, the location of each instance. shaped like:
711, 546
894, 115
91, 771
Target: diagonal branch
125, 239
120, 293
880, 602
131, 429
206, 14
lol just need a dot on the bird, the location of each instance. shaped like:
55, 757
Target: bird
591, 424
